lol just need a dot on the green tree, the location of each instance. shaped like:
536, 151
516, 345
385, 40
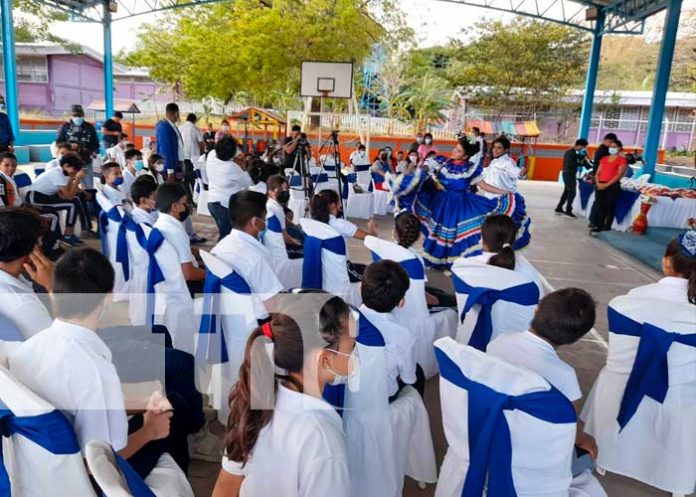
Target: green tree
525, 64
428, 98
257, 45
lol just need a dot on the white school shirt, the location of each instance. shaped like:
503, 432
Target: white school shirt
343, 226
308, 433
359, 159
113, 195
117, 154
668, 288
501, 173
175, 233
18, 201
225, 178
128, 180
22, 306
52, 164
70, 367
399, 345
191, 137
248, 257
522, 266
141, 216
418, 256
50, 182
529, 351
273, 208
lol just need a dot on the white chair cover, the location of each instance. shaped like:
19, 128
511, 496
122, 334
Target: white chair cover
415, 314
359, 205
173, 305
121, 286
298, 201
165, 480
382, 199
656, 446
541, 450
200, 193
506, 316
383, 441
334, 268
237, 316
288, 271
33, 470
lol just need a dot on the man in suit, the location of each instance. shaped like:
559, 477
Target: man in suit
170, 142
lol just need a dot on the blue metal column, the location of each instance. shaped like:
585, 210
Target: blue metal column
9, 65
591, 78
108, 64
664, 68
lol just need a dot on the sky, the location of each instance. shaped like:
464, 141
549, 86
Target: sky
435, 22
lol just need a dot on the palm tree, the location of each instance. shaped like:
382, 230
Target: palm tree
427, 98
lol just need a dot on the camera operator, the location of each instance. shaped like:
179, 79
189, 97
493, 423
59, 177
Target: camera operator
296, 145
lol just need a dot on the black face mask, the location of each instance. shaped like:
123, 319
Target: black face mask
185, 214
65, 173
283, 197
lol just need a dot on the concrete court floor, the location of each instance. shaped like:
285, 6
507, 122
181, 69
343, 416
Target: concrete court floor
567, 256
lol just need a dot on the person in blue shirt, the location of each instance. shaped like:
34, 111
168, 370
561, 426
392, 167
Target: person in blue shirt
169, 140
7, 137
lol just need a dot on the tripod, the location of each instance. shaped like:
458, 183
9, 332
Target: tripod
301, 166
333, 150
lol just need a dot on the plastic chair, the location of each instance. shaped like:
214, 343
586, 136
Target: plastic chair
289, 271
115, 245
359, 205
415, 315
491, 301
642, 406
298, 201
382, 197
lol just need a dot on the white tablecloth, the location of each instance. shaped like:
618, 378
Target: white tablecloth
666, 213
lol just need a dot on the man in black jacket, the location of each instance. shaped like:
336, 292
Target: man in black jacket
80, 134
573, 159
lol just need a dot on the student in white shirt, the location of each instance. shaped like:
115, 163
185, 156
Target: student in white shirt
498, 234
562, 318
242, 249
155, 167
172, 204
135, 166
278, 193
20, 238
502, 173
144, 197
62, 148
359, 157
383, 289
112, 179
117, 153
225, 178
192, 138
57, 190
9, 193
70, 366
325, 207
295, 446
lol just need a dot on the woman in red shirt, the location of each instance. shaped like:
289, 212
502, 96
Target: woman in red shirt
608, 177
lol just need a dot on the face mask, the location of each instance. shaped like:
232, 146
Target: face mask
413, 158
340, 379
159, 167
66, 173
185, 214
581, 153
613, 150
419, 140
139, 165
225, 128
118, 181
428, 141
78, 121
283, 197
361, 152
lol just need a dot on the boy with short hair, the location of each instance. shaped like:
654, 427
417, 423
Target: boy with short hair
144, 197
134, 166
112, 179
383, 289
562, 317
62, 148
278, 193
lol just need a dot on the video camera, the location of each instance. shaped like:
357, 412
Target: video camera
633, 157
302, 140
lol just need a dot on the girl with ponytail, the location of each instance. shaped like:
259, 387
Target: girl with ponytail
679, 269
282, 438
498, 234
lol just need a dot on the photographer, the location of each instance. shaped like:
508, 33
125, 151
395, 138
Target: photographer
574, 159
295, 149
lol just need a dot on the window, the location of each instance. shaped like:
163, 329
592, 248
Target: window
685, 119
31, 69
629, 118
612, 117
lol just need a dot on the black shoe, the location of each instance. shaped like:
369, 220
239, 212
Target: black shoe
596, 229
195, 240
558, 211
570, 215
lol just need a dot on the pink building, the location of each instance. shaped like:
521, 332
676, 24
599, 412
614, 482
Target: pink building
51, 78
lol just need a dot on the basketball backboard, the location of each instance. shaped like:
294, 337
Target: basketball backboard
326, 79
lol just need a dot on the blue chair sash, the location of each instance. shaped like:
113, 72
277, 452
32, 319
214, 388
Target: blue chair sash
136, 485
121, 241
413, 267
311, 265
52, 431
295, 181
154, 273
210, 320
650, 373
368, 334
624, 204
320, 178
525, 294
22, 180
490, 447
361, 168
273, 224
585, 189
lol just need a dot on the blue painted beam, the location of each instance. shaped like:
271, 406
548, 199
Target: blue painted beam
591, 78
9, 66
108, 64
664, 68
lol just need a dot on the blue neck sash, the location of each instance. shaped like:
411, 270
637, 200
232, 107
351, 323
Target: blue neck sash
368, 334
413, 267
211, 320
311, 265
650, 373
121, 241
525, 294
136, 485
273, 224
490, 447
52, 431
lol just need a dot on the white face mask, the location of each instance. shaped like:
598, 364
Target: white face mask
613, 150
225, 128
428, 141
413, 158
345, 379
159, 167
